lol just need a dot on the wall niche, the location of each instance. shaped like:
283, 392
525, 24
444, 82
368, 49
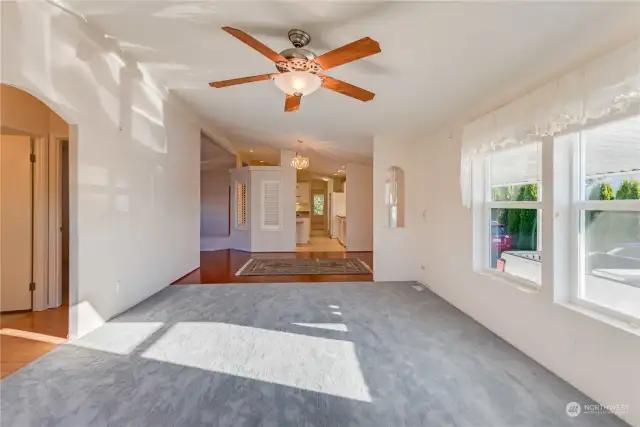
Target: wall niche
394, 196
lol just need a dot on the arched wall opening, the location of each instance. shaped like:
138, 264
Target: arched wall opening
36, 283
24, 116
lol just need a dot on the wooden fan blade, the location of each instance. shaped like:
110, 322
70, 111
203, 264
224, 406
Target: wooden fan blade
349, 52
241, 80
291, 103
248, 40
347, 89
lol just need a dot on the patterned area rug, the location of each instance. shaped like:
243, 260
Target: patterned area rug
288, 267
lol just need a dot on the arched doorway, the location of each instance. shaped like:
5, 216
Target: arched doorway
34, 228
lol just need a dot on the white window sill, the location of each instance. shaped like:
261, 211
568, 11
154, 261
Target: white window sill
627, 325
513, 281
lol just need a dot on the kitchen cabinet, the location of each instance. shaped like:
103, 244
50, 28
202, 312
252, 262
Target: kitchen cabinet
303, 193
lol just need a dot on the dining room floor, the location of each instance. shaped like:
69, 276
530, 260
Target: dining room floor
221, 266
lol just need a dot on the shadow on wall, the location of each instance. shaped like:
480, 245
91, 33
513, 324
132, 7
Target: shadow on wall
290, 355
130, 157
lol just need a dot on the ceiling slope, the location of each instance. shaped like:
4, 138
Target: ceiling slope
439, 60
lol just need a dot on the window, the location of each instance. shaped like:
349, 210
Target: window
607, 217
595, 175
498, 230
318, 204
241, 206
512, 213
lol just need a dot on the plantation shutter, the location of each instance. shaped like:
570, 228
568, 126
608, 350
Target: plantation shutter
241, 206
271, 205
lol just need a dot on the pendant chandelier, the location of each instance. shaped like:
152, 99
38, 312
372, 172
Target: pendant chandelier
300, 162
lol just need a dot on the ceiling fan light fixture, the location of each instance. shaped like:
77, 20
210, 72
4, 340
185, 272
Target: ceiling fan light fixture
298, 83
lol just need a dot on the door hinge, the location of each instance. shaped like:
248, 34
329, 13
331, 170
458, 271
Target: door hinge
32, 286
32, 157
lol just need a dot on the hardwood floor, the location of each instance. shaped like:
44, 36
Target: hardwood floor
221, 267
321, 244
24, 337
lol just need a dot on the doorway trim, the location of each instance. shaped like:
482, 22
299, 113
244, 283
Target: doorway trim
47, 214
40, 224
54, 276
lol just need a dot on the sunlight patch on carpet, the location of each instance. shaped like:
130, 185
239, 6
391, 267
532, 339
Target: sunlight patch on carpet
340, 327
311, 363
118, 337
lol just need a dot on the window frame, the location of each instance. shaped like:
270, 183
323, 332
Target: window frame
578, 205
561, 194
313, 203
483, 204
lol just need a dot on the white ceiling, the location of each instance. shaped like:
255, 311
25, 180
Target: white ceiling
439, 60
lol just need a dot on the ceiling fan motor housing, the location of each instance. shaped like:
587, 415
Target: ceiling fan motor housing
299, 38
298, 59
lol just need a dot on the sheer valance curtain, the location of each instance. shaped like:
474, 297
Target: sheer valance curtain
604, 89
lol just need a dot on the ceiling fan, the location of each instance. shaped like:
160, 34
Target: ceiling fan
301, 72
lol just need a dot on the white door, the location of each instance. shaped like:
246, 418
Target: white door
15, 222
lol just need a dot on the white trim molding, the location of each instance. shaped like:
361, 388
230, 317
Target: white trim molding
40, 224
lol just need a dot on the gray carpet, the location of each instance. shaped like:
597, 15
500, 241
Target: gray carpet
347, 354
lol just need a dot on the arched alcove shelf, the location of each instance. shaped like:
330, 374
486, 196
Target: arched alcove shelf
394, 197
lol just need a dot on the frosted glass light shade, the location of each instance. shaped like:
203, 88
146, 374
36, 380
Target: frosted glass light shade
298, 82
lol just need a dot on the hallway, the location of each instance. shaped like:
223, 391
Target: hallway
320, 243
340, 354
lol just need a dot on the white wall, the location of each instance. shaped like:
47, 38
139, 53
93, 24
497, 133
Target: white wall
254, 238
597, 358
359, 208
214, 209
215, 181
214, 190
134, 184
390, 151
282, 240
288, 201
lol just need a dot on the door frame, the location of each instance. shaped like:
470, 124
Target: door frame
46, 256
40, 223
54, 271
322, 191
47, 215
